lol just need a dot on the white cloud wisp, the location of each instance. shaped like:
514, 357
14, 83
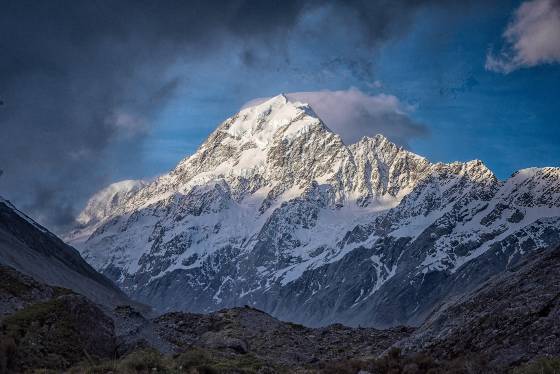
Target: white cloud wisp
532, 38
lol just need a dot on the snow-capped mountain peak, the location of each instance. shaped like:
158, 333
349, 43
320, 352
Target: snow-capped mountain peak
259, 124
274, 210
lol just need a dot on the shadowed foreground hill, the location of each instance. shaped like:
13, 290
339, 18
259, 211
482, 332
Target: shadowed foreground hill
33, 250
511, 319
44, 327
508, 325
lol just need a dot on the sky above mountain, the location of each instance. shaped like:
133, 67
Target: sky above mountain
95, 92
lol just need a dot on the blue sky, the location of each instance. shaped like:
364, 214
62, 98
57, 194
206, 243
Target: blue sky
510, 121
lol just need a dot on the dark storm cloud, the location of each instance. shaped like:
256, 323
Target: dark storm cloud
81, 81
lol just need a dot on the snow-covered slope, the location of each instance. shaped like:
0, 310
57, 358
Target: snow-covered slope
274, 210
103, 202
101, 206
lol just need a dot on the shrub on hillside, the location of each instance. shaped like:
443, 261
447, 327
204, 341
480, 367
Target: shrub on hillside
544, 365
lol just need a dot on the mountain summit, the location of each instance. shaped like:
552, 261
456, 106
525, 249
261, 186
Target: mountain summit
275, 211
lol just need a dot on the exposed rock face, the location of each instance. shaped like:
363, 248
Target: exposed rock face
34, 251
135, 331
512, 319
276, 212
246, 330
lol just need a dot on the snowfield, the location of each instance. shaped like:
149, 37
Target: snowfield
274, 210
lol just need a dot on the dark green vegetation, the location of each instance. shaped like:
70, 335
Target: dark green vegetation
204, 361
420, 363
11, 285
195, 360
48, 327
58, 333
545, 365
18, 290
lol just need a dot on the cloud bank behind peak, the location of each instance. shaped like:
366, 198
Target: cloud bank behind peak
353, 114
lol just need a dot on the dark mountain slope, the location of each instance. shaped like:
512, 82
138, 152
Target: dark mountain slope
511, 319
33, 250
48, 327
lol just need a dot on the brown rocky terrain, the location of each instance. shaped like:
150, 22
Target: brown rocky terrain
248, 330
53, 328
511, 319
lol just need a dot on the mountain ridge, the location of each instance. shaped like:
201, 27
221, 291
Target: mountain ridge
275, 211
